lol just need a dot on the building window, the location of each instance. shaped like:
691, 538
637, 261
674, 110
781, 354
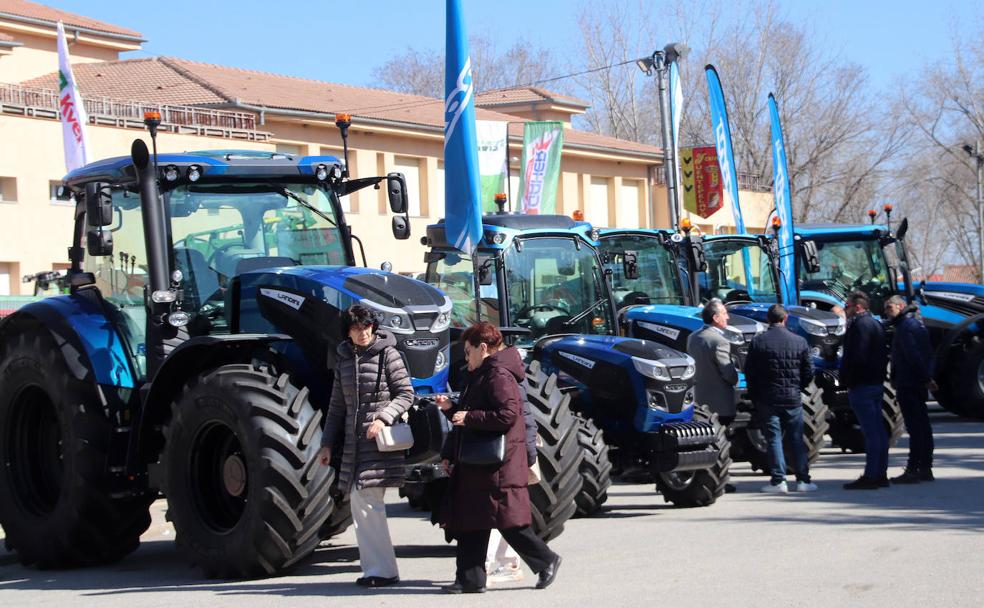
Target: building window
292, 149
514, 203
58, 193
8, 190
596, 207
410, 168
438, 209
627, 212
6, 272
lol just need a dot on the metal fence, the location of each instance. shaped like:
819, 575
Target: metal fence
34, 101
746, 181
8, 304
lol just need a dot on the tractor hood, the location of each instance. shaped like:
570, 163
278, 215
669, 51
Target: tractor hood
306, 302
587, 351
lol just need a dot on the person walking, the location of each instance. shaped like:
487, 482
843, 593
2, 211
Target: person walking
371, 390
715, 375
481, 498
912, 377
777, 369
862, 371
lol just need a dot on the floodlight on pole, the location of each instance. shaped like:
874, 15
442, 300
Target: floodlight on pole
976, 154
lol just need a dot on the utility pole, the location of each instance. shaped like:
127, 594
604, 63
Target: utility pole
976, 154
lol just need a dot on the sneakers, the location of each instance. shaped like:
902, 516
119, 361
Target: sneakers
806, 486
377, 581
505, 574
909, 476
863, 483
926, 475
779, 488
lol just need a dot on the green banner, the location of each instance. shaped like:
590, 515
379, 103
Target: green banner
542, 144
491, 136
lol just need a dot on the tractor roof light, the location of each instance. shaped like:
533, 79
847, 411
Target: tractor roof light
171, 173
595, 234
178, 318
321, 172
578, 215
194, 173
163, 296
343, 120
686, 225
776, 223
871, 215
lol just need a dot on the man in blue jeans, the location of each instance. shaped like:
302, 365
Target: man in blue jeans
862, 371
777, 369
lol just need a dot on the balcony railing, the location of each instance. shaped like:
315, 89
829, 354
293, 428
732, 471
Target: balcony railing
746, 181
32, 101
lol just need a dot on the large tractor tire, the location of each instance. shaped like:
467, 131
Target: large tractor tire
55, 501
560, 456
699, 488
341, 514
245, 491
846, 434
754, 449
595, 469
962, 381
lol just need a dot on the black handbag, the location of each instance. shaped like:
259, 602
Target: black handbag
481, 447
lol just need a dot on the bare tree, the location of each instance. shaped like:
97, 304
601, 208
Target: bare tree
421, 72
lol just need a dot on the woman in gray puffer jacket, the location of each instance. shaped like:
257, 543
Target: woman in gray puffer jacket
371, 390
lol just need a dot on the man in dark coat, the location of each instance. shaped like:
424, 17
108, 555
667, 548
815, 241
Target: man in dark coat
912, 377
482, 497
777, 370
862, 371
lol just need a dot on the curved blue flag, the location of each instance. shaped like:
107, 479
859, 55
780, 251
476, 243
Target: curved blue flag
722, 142
462, 185
784, 208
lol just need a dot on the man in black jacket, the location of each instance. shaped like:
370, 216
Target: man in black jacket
777, 370
862, 371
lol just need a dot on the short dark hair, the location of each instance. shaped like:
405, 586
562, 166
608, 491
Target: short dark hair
710, 309
777, 314
859, 298
483, 333
361, 316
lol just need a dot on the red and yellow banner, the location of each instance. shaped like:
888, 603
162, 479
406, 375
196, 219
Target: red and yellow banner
703, 191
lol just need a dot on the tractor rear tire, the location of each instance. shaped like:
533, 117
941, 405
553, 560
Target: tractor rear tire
245, 491
703, 487
55, 501
341, 513
962, 385
560, 456
595, 469
846, 432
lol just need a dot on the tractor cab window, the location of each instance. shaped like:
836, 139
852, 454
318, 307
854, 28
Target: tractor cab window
737, 271
849, 265
454, 274
659, 279
555, 287
121, 277
220, 231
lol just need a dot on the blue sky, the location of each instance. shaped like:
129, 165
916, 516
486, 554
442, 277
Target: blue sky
343, 41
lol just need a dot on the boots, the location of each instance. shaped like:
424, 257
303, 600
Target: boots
926, 474
909, 476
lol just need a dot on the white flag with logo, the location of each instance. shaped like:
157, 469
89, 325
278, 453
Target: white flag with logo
70, 106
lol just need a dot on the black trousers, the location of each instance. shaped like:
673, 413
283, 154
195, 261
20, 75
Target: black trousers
912, 402
473, 546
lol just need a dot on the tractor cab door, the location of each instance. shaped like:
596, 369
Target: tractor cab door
122, 275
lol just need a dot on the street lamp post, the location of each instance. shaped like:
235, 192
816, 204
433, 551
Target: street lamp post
660, 62
975, 153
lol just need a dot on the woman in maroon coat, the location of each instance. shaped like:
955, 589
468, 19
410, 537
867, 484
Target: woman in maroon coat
481, 498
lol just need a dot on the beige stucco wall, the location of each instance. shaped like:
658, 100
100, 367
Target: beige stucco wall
39, 55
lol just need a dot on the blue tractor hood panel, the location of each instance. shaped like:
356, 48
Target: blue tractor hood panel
499, 230
306, 302
684, 317
840, 232
107, 354
614, 349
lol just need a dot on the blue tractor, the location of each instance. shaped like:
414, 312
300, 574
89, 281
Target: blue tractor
192, 359
604, 403
660, 278
872, 258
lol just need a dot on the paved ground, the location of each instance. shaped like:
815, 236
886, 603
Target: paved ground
905, 546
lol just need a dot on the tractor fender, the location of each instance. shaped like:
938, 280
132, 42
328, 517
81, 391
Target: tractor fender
93, 348
955, 332
191, 357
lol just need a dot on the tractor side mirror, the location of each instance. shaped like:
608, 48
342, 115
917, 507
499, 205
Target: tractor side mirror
630, 266
396, 189
903, 228
401, 228
697, 255
811, 257
99, 242
98, 205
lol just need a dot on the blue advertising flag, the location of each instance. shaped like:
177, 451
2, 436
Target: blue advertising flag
784, 208
722, 142
462, 185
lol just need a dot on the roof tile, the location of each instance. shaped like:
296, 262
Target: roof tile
33, 10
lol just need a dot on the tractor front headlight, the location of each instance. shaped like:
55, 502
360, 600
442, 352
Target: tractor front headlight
651, 369
442, 322
814, 328
689, 372
442, 361
733, 335
841, 328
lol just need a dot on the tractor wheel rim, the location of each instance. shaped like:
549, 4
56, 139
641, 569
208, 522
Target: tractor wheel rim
35, 451
218, 476
980, 376
678, 480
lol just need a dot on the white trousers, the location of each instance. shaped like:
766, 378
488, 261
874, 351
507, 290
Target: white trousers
500, 554
376, 554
